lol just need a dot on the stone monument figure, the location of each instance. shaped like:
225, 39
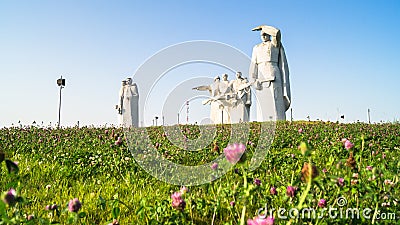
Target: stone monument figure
240, 109
230, 100
269, 72
226, 99
218, 100
128, 107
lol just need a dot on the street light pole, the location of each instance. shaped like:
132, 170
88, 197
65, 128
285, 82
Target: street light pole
61, 83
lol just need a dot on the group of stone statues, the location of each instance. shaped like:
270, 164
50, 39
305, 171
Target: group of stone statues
230, 101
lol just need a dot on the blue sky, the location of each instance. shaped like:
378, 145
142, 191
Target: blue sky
343, 55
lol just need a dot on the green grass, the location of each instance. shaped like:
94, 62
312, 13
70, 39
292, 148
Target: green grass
85, 163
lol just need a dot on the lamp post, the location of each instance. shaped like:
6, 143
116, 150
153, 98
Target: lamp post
61, 84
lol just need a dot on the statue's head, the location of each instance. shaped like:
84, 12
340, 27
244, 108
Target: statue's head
238, 75
225, 76
265, 37
217, 78
129, 81
123, 82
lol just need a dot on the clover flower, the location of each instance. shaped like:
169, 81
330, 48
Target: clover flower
74, 205
300, 130
234, 152
322, 203
183, 190
260, 220
290, 191
340, 181
257, 182
10, 196
273, 191
118, 142
177, 201
348, 145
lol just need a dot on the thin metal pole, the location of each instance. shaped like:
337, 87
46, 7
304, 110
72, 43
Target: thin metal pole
291, 114
59, 108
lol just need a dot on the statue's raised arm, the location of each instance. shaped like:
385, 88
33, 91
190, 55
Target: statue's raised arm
275, 33
202, 88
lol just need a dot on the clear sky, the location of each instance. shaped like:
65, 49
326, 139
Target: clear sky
343, 55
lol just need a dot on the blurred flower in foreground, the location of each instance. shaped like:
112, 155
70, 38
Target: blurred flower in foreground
118, 142
9, 197
30, 217
234, 152
351, 161
257, 182
291, 191
177, 201
322, 203
273, 191
300, 130
340, 181
114, 222
184, 190
74, 205
305, 172
259, 220
348, 145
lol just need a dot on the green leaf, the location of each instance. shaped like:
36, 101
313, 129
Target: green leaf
82, 215
70, 220
102, 203
2, 208
115, 212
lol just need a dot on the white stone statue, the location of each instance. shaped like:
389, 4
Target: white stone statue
230, 100
128, 107
219, 108
269, 72
240, 109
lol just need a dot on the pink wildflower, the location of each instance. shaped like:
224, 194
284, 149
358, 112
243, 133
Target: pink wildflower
234, 152
74, 205
259, 220
348, 145
177, 201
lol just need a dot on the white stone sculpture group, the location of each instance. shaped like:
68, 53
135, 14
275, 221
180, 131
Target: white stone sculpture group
230, 101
